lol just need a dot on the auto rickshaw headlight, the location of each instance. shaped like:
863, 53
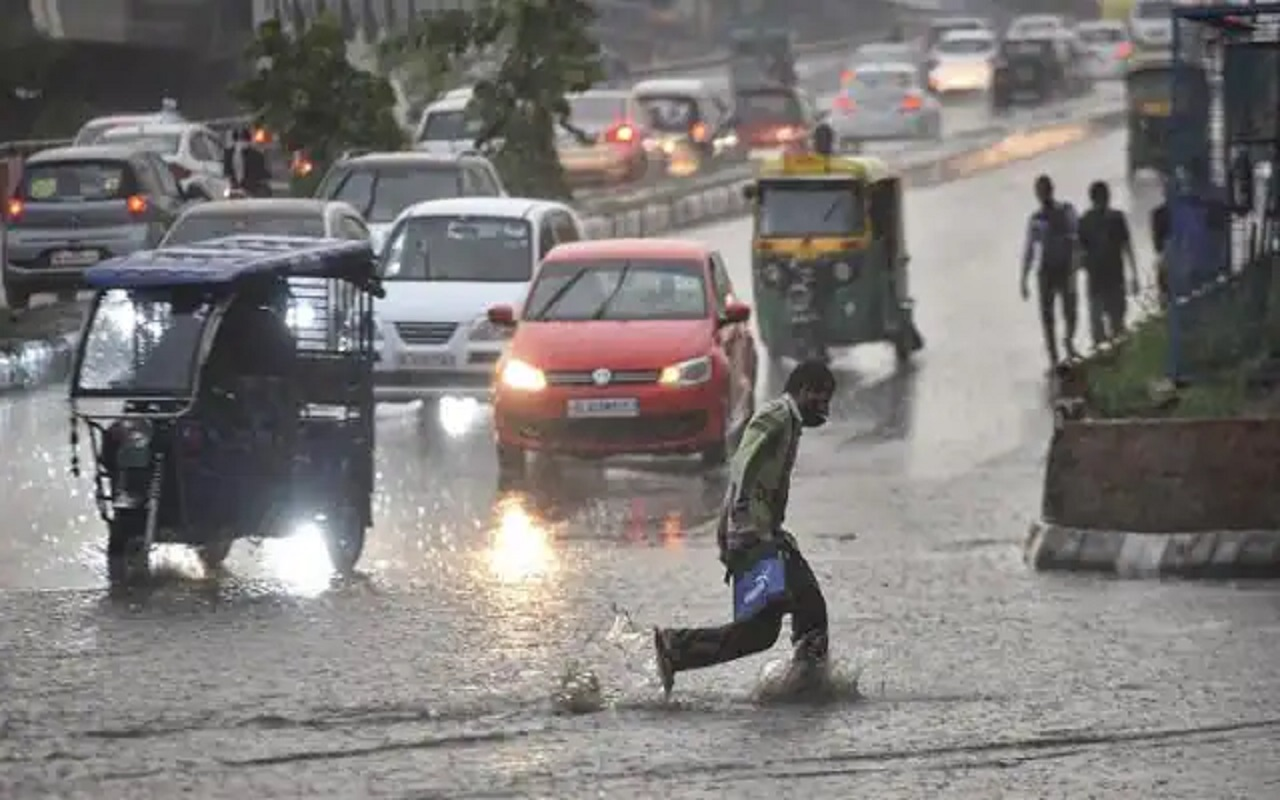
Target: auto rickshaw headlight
693, 372
774, 274
523, 377
842, 271
134, 443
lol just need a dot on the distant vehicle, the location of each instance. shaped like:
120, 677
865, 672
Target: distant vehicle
1030, 26
92, 131
963, 61
381, 185
761, 57
769, 121
610, 149
447, 126
683, 114
193, 153
940, 28
76, 206
297, 217
445, 263
1151, 24
1037, 70
888, 53
625, 346
884, 102
1107, 47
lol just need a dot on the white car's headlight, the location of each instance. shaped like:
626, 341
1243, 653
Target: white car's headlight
523, 377
687, 373
482, 330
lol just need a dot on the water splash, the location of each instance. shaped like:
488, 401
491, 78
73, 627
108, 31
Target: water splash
614, 667
792, 680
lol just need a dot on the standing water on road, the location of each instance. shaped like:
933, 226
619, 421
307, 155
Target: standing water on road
496, 642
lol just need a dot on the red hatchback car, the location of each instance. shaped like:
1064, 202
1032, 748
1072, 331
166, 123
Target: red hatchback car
625, 346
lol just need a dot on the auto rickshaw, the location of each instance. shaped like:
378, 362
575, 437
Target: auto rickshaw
829, 259
227, 389
1149, 88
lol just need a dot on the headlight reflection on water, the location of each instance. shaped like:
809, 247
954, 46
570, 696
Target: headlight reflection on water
300, 561
520, 548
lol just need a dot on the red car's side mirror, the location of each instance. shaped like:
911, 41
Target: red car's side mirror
504, 316
736, 312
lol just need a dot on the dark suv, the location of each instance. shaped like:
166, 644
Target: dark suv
381, 185
75, 206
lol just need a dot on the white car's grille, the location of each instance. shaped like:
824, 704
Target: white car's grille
425, 332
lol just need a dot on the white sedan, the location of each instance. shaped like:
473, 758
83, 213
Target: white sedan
963, 61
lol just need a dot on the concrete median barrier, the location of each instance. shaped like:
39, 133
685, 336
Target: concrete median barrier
1195, 498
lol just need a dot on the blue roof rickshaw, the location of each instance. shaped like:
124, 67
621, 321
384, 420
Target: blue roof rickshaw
228, 392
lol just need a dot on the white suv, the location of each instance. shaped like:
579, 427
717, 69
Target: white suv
446, 262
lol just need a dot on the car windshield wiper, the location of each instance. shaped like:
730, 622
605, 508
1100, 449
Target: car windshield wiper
608, 301
558, 295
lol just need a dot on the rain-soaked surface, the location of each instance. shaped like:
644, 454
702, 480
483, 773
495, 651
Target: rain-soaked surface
433, 674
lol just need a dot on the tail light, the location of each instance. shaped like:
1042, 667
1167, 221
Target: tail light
698, 132
180, 173
847, 77
1124, 50
846, 104
14, 208
912, 102
136, 203
261, 136
621, 134
301, 166
787, 134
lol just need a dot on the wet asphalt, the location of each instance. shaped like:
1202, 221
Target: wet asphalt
435, 672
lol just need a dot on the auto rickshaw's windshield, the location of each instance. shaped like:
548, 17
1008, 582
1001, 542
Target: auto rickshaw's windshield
799, 209
669, 113
142, 344
618, 290
449, 248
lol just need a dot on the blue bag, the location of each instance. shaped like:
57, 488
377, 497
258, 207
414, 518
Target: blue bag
755, 588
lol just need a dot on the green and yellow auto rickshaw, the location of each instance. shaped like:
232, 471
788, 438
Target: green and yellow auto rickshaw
1150, 83
829, 256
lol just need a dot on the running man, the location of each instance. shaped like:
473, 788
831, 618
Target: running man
750, 529
1106, 244
1050, 250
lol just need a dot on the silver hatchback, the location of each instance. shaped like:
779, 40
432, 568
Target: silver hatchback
76, 206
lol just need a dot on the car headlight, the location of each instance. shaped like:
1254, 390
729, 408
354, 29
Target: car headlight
482, 330
523, 377
687, 373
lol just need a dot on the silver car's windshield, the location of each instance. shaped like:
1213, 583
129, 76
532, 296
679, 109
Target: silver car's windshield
142, 344
201, 227
448, 248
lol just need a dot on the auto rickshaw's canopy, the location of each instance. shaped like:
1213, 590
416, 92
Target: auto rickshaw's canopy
813, 165
227, 261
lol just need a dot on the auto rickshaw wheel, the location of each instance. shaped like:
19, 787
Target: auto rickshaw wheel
126, 544
344, 538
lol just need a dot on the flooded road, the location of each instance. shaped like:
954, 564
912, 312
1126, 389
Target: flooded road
433, 674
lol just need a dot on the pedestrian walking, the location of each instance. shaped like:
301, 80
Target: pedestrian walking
1050, 249
770, 577
1106, 245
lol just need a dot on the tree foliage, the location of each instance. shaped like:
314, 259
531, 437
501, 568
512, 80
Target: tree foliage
538, 51
307, 92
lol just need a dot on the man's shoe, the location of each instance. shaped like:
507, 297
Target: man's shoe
666, 665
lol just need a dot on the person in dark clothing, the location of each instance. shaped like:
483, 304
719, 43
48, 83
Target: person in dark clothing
245, 166
750, 531
1161, 233
1050, 249
1105, 244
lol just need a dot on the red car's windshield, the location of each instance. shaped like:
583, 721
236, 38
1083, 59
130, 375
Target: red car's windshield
622, 289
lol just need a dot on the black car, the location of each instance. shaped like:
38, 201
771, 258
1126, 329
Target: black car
1029, 70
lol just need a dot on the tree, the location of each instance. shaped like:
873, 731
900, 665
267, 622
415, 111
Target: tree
540, 51
307, 92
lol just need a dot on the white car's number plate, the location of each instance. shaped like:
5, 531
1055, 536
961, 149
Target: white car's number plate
429, 360
74, 258
603, 407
